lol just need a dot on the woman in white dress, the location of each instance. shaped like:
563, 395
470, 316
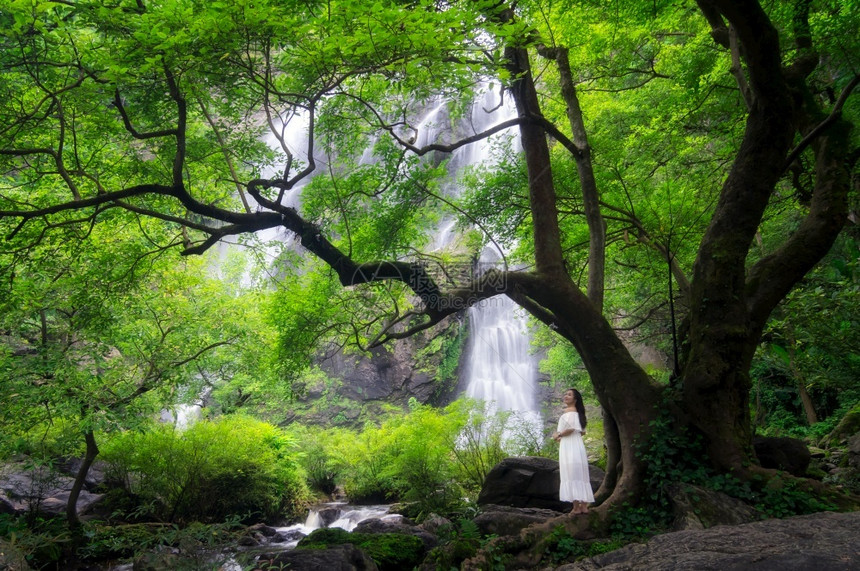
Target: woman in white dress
575, 483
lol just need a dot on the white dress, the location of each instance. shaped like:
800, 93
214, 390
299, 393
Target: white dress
572, 462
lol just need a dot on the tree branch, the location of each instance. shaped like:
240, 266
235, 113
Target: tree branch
835, 114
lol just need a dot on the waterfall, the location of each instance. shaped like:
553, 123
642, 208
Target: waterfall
499, 368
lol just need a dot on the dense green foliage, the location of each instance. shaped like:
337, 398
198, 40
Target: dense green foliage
132, 130
431, 459
811, 343
233, 466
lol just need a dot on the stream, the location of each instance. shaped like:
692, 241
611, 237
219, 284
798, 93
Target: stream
236, 558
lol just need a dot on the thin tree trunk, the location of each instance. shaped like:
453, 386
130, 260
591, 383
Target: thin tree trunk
805, 399
587, 182
549, 259
90, 456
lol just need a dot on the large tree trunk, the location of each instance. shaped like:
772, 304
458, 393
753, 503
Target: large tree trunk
730, 304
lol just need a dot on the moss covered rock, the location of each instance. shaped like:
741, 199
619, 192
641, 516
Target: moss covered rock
847, 427
390, 551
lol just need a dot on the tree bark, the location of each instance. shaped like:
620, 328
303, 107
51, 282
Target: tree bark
614, 467
542, 198
624, 390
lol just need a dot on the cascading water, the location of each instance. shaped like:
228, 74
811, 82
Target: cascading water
500, 369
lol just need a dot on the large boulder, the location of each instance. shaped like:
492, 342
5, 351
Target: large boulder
528, 482
695, 507
854, 452
379, 525
824, 542
789, 454
847, 427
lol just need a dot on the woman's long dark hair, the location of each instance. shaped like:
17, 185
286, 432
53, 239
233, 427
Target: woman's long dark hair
580, 408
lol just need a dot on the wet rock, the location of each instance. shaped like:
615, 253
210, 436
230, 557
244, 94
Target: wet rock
263, 529
328, 516
27, 489
434, 523
696, 507
250, 540
817, 452
95, 475
288, 536
854, 451
528, 482
847, 427
378, 525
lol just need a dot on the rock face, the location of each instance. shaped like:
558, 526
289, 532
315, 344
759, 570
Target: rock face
789, 454
528, 482
356, 386
824, 542
24, 489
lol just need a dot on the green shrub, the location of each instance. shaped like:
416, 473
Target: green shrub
457, 542
421, 466
27, 543
785, 498
561, 546
405, 458
106, 542
215, 469
320, 459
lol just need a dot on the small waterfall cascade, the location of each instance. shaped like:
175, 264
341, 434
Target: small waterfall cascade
183, 415
339, 515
